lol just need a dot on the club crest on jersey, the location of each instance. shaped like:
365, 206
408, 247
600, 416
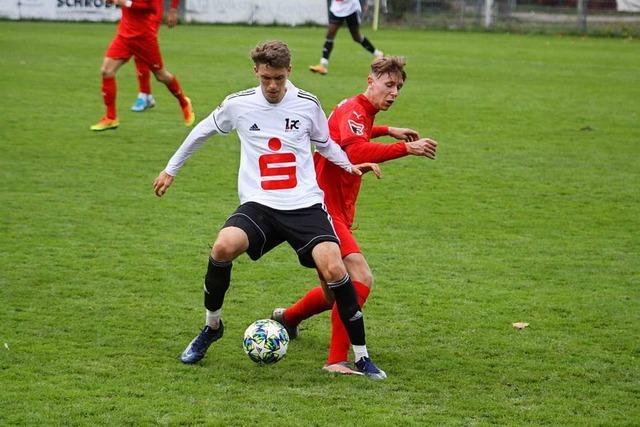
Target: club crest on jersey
357, 128
291, 125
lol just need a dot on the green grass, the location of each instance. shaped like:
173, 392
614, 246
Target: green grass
531, 213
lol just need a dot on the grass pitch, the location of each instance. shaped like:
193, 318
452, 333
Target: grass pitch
531, 213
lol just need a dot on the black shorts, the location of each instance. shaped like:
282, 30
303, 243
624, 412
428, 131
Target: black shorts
266, 228
352, 20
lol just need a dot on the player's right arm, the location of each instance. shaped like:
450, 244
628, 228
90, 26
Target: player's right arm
218, 122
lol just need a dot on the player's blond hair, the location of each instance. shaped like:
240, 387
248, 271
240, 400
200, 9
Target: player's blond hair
273, 53
389, 65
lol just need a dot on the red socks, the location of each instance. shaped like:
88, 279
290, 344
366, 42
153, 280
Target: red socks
340, 344
309, 305
109, 96
144, 77
176, 90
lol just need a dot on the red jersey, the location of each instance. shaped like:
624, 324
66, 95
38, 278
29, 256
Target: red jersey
139, 19
351, 126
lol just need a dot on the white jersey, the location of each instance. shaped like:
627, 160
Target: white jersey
276, 155
342, 8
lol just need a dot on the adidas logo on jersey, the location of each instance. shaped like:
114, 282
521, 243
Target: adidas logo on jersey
254, 127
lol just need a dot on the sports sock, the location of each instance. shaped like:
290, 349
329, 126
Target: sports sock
312, 303
326, 50
367, 44
339, 345
176, 90
212, 318
360, 351
144, 77
216, 283
109, 96
348, 309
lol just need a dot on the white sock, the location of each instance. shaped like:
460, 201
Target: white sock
143, 95
360, 351
324, 61
213, 318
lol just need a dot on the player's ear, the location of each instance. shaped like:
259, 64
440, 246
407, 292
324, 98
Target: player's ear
369, 80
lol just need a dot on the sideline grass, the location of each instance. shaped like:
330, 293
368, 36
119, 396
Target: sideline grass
531, 213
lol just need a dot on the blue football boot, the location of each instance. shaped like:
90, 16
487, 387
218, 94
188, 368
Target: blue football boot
143, 102
197, 348
368, 368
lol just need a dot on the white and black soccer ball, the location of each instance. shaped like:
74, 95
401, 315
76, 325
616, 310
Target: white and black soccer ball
265, 341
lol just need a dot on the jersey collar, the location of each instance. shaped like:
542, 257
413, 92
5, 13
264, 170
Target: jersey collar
289, 94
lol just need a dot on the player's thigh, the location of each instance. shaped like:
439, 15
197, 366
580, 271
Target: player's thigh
147, 50
110, 66
358, 269
353, 23
119, 50
304, 229
254, 220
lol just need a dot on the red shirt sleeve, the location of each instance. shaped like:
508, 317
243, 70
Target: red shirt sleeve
374, 152
377, 131
174, 4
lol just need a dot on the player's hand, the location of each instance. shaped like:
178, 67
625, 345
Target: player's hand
363, 168
162, 183
404, 134
422, 147
172, 18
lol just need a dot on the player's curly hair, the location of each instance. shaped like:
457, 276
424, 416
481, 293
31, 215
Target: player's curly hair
389, 65
273, 53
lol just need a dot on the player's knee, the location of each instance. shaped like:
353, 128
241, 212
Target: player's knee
107, 72
333, 270
223, 250
365, 278
163, 76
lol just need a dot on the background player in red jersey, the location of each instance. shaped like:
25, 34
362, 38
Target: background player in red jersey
145, 99
351, 126
136, 36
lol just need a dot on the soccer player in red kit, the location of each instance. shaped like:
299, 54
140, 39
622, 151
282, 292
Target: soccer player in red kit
351, 126
136, 36
145, 99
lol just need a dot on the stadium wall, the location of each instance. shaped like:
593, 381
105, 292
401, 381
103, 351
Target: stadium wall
264, 12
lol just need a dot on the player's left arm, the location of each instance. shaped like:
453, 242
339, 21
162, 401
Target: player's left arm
172, 15
404, 134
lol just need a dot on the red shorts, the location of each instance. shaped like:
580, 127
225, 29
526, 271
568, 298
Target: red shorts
348, 244
146, 49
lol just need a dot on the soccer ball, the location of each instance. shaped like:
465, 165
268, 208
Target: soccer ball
265, 341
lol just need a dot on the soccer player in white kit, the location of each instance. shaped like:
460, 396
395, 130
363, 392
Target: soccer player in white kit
340, 11
279, 197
